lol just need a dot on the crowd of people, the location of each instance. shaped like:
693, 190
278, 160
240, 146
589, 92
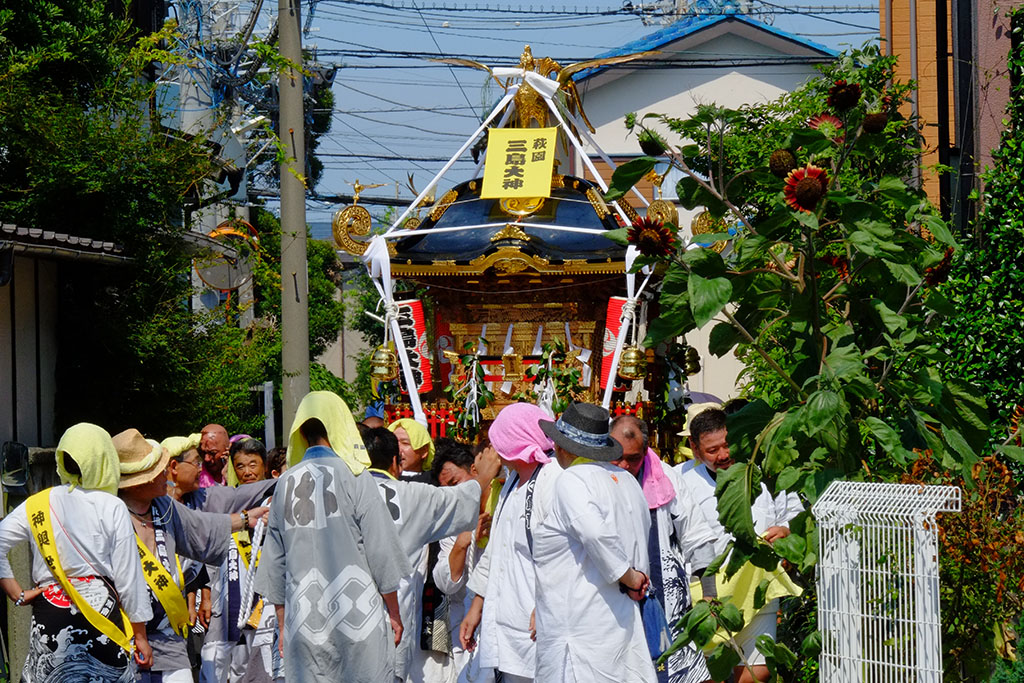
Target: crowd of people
549, 550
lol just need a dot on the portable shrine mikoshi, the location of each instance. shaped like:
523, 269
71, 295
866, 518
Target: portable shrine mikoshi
510, 263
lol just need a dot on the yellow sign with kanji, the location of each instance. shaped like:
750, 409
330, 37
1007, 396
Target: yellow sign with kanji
519, 162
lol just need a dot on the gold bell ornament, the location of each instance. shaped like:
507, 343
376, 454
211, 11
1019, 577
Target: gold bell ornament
633, 363
384, 363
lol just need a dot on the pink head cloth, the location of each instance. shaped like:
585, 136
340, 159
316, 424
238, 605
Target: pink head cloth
516, 434
657, 488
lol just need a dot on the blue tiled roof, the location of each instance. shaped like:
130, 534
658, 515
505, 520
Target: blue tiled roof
694, 24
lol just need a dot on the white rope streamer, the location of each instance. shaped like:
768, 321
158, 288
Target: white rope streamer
628, 317
250, 580
378, 263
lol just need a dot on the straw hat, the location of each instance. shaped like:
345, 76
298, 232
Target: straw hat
141, 459
692, 411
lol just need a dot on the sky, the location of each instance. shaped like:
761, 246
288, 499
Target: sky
397, 113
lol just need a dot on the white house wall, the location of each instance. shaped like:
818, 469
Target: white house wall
677, 92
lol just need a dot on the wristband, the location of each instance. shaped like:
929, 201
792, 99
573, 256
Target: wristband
21, 600
245, 520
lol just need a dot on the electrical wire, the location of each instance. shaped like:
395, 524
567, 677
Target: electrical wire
441, 53
403, 125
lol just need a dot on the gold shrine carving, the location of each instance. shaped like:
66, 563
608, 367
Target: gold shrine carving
354, 221
511, 232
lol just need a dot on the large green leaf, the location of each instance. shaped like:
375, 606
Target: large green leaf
696, 626
627, 175
957, 442
939, 229
745, 425
940, 304
618, 236
1015, 453
904, 272
707, 263
722, 660
891, 319
822, 407
675, 319
693, 194
811, 647
735, 489
708, 297
723, 339
731, 617
845, 361
761, 593
888, 438
792, 548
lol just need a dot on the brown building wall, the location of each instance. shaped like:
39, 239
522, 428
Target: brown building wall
992, 41
927, 74
646, 187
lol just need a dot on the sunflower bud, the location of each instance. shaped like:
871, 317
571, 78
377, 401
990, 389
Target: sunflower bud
781, 162
652, 144
875, 123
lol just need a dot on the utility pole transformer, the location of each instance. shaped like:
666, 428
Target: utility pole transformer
294, 285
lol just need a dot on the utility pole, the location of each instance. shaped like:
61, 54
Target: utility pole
294, 287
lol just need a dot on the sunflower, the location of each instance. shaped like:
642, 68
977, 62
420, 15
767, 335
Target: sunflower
652, 237
875, 122
843, 95
805, 187
829, 125
939, 273
781, 162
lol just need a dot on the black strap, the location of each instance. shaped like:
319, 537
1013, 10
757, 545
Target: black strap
528, 507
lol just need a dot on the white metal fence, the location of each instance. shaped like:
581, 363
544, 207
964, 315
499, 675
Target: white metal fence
878, 581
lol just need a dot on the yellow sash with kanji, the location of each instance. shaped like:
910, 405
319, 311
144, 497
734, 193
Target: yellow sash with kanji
167, 591
38, 509
244, 545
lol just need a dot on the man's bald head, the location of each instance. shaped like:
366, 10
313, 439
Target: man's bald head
631, 433
213, 446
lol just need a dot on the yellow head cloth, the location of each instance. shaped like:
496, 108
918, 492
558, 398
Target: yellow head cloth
176, 445
341, 430
90, 446
418, 438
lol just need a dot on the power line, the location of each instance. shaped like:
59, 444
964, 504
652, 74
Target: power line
383, 157
403, 125
441, 53
612, 11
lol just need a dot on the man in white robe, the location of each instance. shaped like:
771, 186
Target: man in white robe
771, 514
423, 514
591, 560
680, 542
503, 582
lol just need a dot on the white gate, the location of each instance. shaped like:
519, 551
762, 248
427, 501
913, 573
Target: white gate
878, 581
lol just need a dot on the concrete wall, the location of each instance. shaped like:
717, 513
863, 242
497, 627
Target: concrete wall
28, 353
340, 357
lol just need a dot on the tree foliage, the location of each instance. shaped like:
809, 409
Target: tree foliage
984, 339
830, 283
83, 150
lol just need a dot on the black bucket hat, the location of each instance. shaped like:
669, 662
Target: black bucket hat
583, 431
